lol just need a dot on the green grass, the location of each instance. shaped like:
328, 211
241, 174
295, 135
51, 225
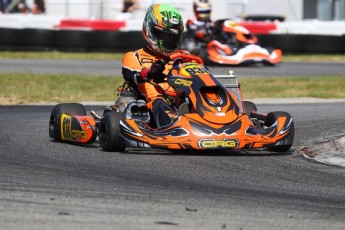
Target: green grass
55, 55
294, 87
23, 88
20, 88
313, 58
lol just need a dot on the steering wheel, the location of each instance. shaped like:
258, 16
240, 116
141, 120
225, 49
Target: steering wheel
186, 57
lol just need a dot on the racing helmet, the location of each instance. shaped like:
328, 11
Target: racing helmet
202, 10
241, 33
163, 28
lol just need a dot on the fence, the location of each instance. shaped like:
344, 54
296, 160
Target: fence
119, 41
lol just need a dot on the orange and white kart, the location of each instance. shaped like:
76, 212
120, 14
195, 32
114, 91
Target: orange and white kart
232, 44
210, 116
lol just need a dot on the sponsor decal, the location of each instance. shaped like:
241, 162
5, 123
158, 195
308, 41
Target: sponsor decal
174, 31
174, 21
220, 114
146, 60
67, 133
211, 144
66, 127
193, 70
184, 82
77, 134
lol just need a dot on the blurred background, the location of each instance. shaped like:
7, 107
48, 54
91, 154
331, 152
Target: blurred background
293, 10
48, 24
287, 10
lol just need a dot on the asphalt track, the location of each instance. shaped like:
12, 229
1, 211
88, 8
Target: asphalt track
49, 185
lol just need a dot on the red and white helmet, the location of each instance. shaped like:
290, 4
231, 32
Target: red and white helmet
202, 10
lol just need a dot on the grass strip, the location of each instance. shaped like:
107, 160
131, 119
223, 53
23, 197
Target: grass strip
56, 55
22, 88
294, 87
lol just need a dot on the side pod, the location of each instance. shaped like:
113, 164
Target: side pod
69, 122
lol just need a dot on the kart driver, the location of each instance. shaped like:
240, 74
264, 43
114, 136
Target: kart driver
200, 26
203, 29
162, 29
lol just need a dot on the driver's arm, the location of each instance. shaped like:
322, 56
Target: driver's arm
131, 69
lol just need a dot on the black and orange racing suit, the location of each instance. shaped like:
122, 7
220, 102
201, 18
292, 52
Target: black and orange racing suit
132, 64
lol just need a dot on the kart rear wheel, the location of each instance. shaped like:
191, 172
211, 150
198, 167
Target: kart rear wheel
109, 132
55, 117
285, 144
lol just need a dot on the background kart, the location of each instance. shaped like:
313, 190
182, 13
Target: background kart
229, 43
210, 115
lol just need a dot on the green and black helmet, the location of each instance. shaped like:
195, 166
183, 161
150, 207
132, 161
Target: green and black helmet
163, 28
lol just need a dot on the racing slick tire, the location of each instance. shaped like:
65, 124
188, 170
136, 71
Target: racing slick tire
249, 107
267, 63
55, 121
286, 143
109, 132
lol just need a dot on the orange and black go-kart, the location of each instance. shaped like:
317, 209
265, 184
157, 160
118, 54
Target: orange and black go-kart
210, 116
230, 43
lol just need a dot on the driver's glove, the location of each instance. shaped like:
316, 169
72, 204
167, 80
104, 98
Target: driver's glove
201, 34
156, 71
144, 74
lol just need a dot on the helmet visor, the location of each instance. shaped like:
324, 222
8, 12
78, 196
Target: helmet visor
203, 11
168, 39
203, 14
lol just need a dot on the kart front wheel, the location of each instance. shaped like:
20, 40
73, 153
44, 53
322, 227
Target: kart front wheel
109, 132
284, 144
55, 117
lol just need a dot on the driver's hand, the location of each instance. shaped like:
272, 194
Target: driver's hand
144, 74
156, 71
201, 34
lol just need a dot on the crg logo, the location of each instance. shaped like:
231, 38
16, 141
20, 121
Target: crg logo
212, 144
184, 82
67, 133
77, 134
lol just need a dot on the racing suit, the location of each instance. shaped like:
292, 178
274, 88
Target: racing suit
199, 30
132, 64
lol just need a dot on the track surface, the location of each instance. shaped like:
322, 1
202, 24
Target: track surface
49, 185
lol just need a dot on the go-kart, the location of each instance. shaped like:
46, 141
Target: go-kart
210, 115
229, 43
